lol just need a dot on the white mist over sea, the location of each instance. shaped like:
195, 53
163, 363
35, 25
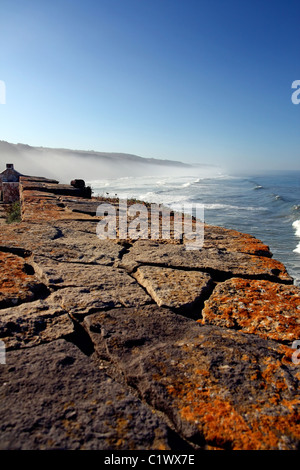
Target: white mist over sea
266, 206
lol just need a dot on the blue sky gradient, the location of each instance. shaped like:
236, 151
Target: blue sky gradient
195, 81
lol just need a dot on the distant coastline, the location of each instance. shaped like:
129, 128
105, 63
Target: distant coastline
59, 163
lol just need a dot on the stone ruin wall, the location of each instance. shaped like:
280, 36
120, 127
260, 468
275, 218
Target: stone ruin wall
9, 192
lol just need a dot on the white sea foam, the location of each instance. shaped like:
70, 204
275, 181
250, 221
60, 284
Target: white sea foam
228, 206
297, 249
296, 226
190, 183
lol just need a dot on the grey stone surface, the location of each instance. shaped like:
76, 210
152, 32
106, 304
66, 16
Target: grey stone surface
221, 264
219, 387
32, 323
54, 397
174, 288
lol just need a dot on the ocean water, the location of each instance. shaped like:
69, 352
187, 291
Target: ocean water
266, 206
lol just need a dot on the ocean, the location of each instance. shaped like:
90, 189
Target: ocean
266, 206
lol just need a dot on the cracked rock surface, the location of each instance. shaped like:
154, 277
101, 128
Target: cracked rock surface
139, 344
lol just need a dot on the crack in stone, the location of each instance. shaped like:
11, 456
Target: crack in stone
21, 252
217, 275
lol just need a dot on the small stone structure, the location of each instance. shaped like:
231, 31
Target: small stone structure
9, 184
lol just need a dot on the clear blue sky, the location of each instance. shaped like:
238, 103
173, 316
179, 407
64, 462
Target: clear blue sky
190, 80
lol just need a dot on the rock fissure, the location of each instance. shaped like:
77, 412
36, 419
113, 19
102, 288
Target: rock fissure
80, 338
59, 234
217, 275
22, 252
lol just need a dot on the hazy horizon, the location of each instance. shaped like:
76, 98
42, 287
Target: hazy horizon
66, 164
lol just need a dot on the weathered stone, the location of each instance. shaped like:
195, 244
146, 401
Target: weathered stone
86, 206
76, 228
54, 397
42, 201
26, 238
81, 301
217, 263
62, 242
33, 323
106, 285
220, 388
174, 288
78, 183
264, 308
233, 241
84, 248
18, 281
51, 186
10, 192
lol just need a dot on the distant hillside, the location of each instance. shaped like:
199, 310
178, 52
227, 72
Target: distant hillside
66, 164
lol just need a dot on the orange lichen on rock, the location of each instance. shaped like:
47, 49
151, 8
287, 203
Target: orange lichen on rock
248, 244
45, 207
18, 283
261, 307
217, 420
266, 268
233, 241
227, 425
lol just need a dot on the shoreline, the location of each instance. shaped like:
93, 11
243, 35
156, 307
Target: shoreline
267, 214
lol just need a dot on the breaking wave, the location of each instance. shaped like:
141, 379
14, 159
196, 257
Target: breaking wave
296, 226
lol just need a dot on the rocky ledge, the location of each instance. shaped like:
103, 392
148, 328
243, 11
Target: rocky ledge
141, 344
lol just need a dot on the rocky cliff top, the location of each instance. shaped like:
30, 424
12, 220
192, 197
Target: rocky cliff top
141, 344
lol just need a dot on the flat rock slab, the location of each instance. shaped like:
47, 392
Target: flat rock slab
17, 280
174, 288
28, 237
84, 248
81, 301
67, 241
233, 241
217, 263
44, 206
85, 206
220, 388
54, 397
33, 323
264, 308
112, 284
